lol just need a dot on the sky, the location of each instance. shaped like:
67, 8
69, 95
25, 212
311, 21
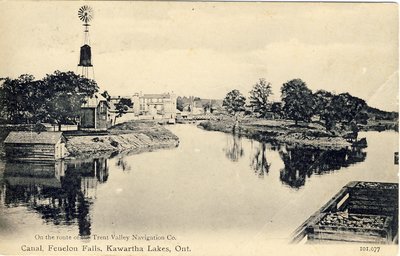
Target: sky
208, 49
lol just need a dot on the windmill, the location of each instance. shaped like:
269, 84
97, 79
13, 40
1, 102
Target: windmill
85, 14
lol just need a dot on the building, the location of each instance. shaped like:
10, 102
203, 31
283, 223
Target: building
162, 105
95, 114
33, 146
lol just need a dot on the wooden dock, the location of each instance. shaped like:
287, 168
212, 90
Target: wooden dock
364, 212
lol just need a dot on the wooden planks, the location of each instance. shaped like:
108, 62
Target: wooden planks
356, 200
30, 151
302, 231
354, 228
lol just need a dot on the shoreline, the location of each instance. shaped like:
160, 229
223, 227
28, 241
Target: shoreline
281, 131
129, 137
133, 137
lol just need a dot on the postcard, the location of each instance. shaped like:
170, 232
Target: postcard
198, 128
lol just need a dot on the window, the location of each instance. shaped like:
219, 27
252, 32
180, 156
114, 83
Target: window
103, 109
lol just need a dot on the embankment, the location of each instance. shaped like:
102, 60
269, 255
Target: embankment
135, 136
283, 131
130, 136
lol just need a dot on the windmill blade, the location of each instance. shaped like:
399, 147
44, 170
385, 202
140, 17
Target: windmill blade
85, 13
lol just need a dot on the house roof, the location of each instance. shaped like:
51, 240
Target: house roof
161, 95
33, 137
93, 102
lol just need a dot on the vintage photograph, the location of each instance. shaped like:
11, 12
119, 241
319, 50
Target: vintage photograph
198, 128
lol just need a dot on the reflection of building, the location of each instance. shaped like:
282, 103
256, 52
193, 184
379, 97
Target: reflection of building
95, 114
33, 146
91, 172
61, 193
163, 104
44, 174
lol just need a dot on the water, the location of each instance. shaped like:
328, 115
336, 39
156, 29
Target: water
213, 188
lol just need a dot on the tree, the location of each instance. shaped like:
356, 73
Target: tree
350, 111
259, 97
324, 108
55, 98
321, 100
64, 95
180, 103
276, 108
122, 107
106, 95
343, 108
234, 102
298, 101
22, 99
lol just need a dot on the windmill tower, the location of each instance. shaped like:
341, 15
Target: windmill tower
85, 14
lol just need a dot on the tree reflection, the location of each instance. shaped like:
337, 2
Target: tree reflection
234, 149
301, 162
258, 160
123, 164
62, 193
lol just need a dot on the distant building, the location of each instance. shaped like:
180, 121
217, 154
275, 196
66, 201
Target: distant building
33, 146
95, 114
163, 104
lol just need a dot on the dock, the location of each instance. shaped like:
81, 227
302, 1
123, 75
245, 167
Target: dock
362, 212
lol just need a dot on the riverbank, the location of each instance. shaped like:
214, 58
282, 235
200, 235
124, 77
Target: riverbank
135, 136
381, 125
283, 131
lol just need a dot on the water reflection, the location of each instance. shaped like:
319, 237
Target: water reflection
62, 193
234, 149
123, 164
259, 162
301, 162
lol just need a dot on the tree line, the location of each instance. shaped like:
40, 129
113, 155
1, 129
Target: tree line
300, 104
56, 98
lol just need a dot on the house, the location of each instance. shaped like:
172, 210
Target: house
163, 104
95, 114
33, 146
197, 106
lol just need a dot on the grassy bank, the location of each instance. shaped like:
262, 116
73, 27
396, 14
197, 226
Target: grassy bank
130, 136
312, 134
381, 125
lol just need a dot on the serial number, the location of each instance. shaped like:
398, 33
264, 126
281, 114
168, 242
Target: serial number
370, 248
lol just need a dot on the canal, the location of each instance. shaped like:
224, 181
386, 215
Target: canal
213, 188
